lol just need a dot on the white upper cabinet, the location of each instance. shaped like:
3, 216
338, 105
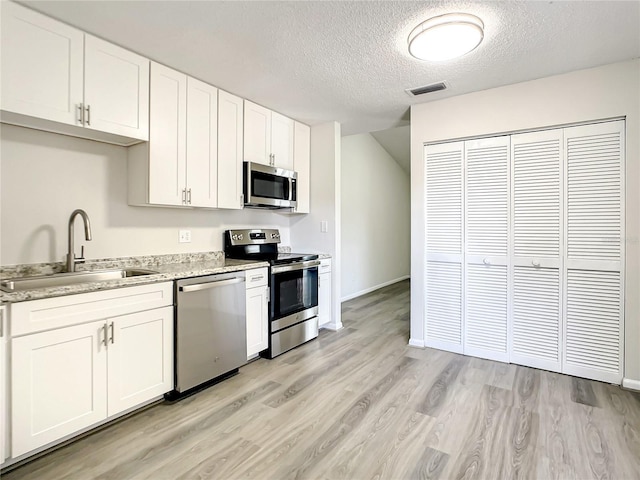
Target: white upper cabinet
166, 150
282, 134
268, 137
42, 66
230, 140
202, 144
257, 133
179, 165
116, 89
56, 78
302, 165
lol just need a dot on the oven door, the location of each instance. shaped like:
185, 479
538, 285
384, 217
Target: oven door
269, 187
294, 294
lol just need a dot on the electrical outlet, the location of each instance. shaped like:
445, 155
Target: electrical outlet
184, 236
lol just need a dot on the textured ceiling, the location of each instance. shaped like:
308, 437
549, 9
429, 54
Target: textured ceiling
346, 61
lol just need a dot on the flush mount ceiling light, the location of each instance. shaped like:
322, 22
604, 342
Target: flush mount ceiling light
445, 37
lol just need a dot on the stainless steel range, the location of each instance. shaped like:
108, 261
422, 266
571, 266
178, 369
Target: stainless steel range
293, 286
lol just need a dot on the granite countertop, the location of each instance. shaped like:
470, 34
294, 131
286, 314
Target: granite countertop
169, 267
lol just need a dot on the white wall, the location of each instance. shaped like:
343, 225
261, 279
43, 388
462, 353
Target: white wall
324, 206
46, 176
599, 93
375, 217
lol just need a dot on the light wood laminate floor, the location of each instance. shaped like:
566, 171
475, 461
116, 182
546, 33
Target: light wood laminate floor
361, 404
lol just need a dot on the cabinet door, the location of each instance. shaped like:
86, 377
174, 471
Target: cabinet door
167, 137
140, 365
444, 217
282, 133
42, 66
257, 133
302, 165
202, 144
58, 384
594, 251
486, 245
116, 89
324, 298
230, 139
257, 321
537, 160
4, 364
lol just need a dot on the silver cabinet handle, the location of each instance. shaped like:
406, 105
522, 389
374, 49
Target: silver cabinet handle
205, 286
295, 266
104, 331
486, 261
184, 196
1, 322
113, 333
88, 114
535, 263
81, 114
189, 196
242, 199
257, 277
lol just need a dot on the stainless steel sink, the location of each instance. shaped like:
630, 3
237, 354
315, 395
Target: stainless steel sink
71, 278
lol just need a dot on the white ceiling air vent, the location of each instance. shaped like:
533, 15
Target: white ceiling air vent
434, 87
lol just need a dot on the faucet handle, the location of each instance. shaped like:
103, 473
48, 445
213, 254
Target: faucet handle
81, 258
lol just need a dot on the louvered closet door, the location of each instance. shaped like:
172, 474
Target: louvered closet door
537, 160
444, 217
594, 251
486, 233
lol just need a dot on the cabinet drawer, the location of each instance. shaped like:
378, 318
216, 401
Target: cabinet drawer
49, 313
325, 265
257, 277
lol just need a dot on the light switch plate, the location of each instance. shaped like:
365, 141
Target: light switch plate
324, 226
184, 236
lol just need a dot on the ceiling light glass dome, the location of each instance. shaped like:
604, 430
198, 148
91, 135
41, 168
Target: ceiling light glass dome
446, 37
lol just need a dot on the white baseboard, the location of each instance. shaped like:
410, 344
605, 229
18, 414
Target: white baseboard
332, 326
631, 384
415, 342
373, 289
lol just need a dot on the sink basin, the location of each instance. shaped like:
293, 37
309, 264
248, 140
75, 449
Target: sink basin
71, 278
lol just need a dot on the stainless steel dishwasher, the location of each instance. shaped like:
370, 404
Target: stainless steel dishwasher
211, 338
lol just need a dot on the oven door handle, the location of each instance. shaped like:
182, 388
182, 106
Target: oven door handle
205, 286
295, 266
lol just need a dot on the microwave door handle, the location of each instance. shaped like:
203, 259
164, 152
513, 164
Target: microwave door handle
291, 180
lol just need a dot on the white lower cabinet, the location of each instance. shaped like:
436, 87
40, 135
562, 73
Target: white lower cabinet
4, 412
324, 292
108, 358
140, 358
58, 384
257, 311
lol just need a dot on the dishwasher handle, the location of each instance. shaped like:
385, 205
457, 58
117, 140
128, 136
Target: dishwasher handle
207, 285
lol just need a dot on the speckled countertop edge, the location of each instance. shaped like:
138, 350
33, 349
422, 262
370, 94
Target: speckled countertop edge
169, 267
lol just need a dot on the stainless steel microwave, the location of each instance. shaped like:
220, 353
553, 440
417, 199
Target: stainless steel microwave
269, 187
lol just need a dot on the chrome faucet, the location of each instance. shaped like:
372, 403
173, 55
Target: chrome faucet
71, 255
